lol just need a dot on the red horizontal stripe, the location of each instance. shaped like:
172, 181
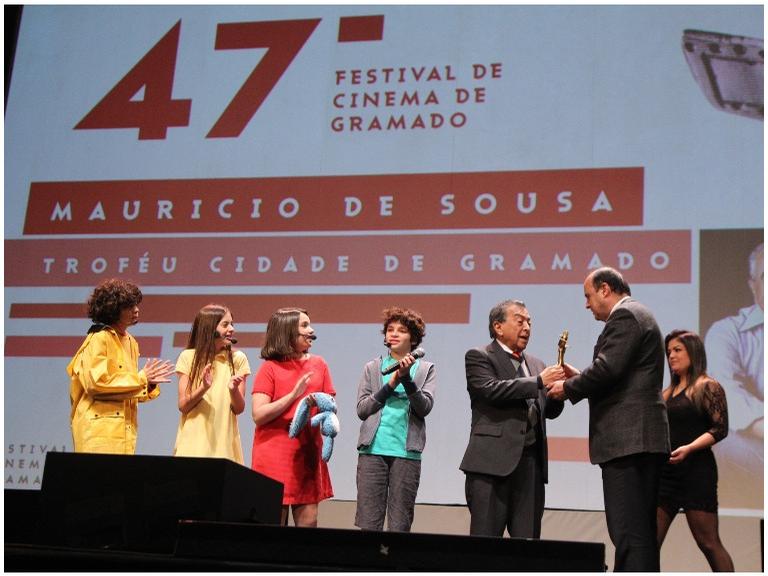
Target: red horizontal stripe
336, 308
566, 449
48, 310
66, 346
244, 339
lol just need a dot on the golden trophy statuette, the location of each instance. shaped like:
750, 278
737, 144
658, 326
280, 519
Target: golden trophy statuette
562, 344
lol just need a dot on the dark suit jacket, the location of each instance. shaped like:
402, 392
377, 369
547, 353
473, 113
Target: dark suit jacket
627, 414
500, 411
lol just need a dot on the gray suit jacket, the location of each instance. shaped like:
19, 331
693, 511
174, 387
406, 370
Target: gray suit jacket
627, 414
500, 411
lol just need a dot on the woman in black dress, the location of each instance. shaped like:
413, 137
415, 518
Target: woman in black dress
698, 418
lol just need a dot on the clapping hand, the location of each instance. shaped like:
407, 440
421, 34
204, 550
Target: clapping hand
207, 376
235, 382
158, 371
301, 384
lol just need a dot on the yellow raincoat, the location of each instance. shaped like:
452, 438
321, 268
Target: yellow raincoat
105, 389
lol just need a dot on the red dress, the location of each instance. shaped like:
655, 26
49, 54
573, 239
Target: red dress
295, 462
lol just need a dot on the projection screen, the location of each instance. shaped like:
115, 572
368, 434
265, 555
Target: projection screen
348, 158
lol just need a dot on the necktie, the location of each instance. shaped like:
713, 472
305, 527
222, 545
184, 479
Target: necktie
533, 405
517, 357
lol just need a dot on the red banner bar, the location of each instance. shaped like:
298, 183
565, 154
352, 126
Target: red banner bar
472, 200
441, 259
323, 309
66, 346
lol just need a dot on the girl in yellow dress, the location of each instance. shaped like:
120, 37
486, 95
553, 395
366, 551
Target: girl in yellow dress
211, 388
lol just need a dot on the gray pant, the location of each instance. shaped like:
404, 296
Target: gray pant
514, 502
386, 485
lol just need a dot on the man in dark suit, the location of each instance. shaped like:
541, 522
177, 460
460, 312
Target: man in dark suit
506, 460
628, 428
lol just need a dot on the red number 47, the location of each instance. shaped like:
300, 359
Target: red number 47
158, 110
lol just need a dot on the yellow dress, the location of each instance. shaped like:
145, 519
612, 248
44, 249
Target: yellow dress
210, 428
105, 390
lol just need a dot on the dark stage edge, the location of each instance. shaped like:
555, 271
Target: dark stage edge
230, 547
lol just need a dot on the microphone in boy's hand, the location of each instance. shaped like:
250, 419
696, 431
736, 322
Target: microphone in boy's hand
418, 353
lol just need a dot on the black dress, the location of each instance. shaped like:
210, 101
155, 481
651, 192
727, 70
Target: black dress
692, 483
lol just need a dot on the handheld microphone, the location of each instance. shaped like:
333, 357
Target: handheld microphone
418, 353
310, 336
230, 340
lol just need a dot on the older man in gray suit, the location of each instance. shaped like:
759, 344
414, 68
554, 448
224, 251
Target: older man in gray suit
628, 428
506, 460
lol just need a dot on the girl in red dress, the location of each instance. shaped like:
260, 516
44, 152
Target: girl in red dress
289, 374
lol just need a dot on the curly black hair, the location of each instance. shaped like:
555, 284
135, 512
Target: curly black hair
110, 298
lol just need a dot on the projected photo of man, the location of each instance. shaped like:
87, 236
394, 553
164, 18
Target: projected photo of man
734, 344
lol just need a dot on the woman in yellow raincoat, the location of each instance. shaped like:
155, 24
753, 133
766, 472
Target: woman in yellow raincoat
105, 382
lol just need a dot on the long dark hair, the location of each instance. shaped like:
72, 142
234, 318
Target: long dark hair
697, 354
282, 332
202, 339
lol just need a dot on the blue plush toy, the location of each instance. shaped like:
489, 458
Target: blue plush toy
326, 419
